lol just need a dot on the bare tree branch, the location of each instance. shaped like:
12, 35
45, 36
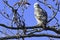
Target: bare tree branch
6, 2
5, 16
53, 28
33, 35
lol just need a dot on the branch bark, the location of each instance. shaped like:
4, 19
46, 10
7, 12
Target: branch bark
33, 35
53, 28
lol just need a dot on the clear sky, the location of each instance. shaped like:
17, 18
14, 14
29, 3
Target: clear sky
29, 17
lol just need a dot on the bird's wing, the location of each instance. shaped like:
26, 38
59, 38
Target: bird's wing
45, 16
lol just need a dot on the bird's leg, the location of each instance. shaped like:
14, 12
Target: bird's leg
43, 26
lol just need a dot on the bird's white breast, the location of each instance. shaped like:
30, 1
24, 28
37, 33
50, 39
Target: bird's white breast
37, 12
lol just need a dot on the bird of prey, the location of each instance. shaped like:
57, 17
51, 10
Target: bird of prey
40, 15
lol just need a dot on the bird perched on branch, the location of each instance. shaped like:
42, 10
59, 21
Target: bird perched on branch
40, 15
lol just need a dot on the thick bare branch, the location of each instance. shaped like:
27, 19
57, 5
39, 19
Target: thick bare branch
53, 28
33, 35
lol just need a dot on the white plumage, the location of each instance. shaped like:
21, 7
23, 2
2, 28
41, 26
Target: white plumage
40, 15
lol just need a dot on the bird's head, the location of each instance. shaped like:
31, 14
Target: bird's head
36, 5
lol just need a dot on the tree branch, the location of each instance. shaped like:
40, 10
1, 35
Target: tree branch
33, 35
53, 28
6, 2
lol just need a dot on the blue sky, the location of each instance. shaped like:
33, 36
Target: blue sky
29, 16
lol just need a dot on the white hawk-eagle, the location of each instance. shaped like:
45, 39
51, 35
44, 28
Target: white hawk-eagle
40, 15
